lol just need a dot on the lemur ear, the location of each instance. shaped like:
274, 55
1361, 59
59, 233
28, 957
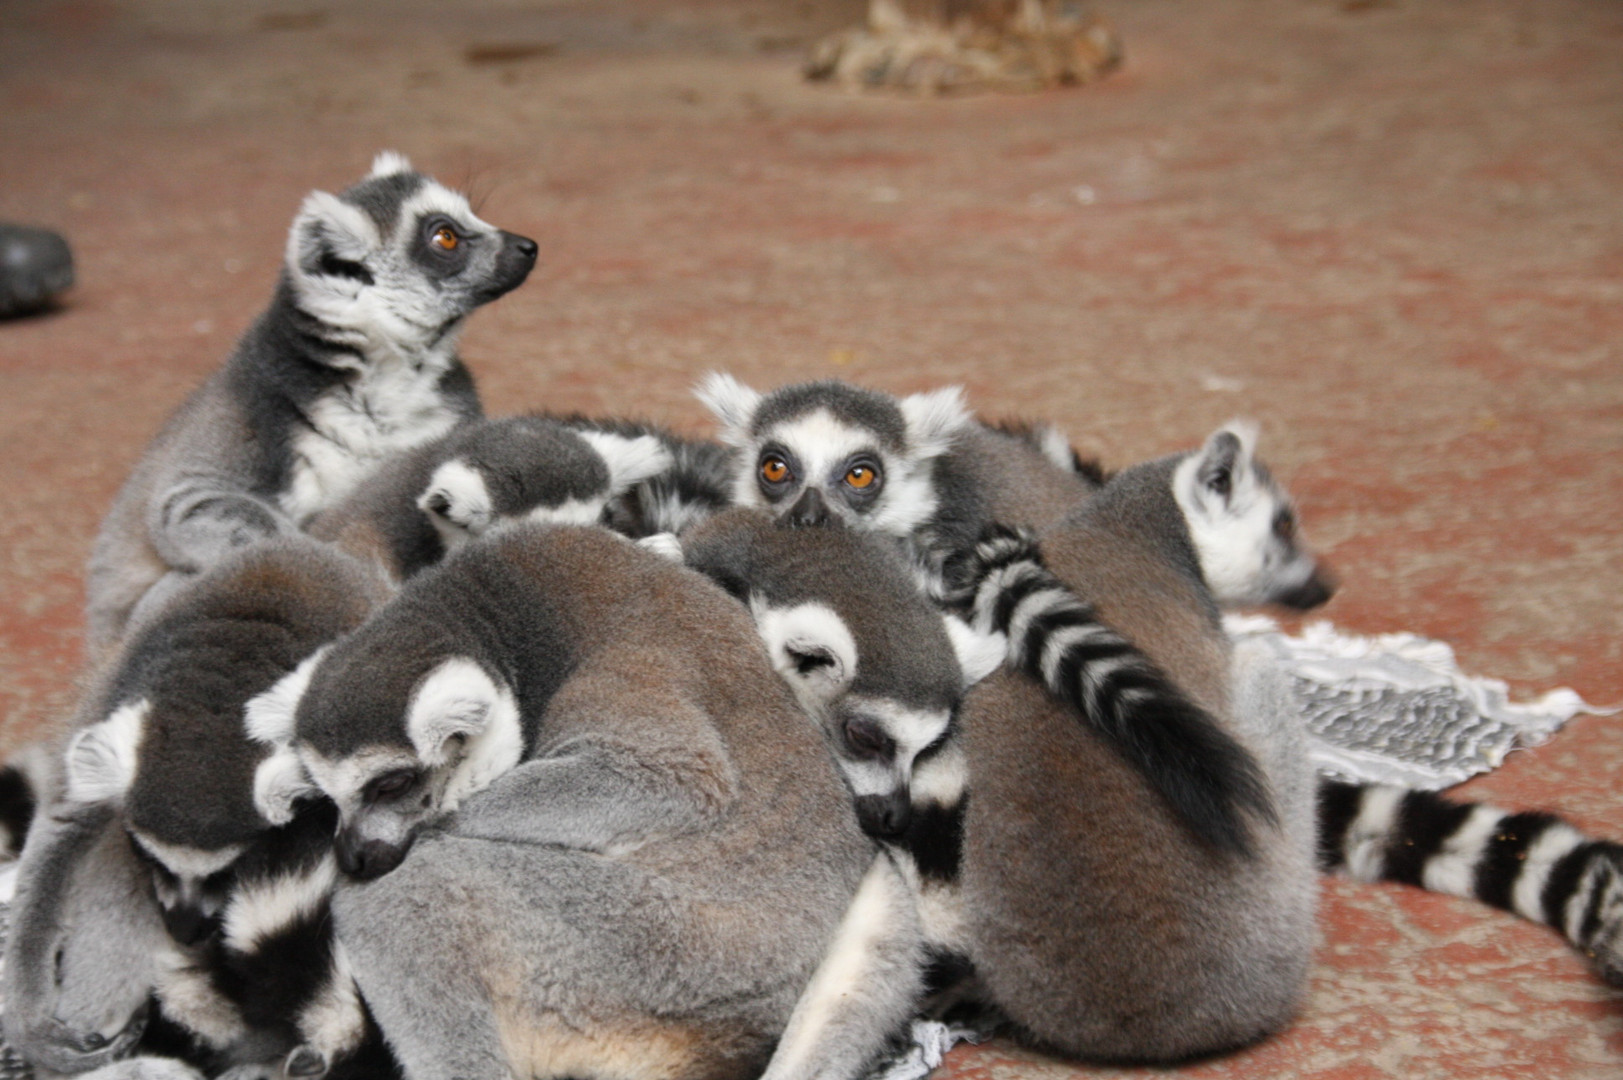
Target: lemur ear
630, 460
1225, 460
455, 701
329, 243
978, 654
810, 646
933, 419
279, 783
101, 759
458, 502
733, 404
268, 717
389, 163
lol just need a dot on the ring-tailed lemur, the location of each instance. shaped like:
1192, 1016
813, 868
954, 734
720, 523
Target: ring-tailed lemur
650, 845
437, 497
827, 610
922, 469
697, 485
250, 969
354, 359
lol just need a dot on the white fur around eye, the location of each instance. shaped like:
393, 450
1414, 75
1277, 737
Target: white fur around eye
101, 759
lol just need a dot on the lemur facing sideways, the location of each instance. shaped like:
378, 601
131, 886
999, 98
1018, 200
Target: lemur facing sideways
831, 610
247, 972
354, 359
650, 846
922, 469
437, 497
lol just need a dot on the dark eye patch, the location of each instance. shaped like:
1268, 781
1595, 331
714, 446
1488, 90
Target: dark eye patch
866, 739
391, 785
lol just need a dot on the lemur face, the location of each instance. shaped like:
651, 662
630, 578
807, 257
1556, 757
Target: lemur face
826, 450
1244, 529
398, 260
394, 734
882, 714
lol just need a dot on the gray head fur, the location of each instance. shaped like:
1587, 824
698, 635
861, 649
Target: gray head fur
830, 450
845, 624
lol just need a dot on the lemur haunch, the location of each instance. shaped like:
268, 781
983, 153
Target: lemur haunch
248, 970
432, 499
650, 846
922, 469
354, 359
831, 610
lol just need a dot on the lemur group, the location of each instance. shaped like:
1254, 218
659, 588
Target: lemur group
419, 743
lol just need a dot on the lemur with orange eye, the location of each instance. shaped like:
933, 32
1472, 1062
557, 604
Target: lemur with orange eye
354, 360
921, 468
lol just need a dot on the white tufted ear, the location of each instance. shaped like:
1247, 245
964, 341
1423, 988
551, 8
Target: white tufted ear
1207, 482
388, 163
268, 717
667, 544
101, 759
329, 243
978, 654
733, 404
810, 646
933, 419
456, 700
279, 783
457, 502
629, 460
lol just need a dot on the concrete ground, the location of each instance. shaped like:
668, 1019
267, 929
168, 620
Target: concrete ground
1388, 229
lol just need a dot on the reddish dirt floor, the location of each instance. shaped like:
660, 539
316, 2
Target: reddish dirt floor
1387, 229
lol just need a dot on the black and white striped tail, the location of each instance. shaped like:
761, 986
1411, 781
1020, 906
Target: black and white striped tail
1532, 864
1211, 781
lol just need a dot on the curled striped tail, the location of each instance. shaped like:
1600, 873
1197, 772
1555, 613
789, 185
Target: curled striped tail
1211, 781
1532, 864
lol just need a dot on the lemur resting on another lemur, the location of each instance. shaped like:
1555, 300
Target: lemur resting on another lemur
354, 359
649, 848
243, 969
989, 884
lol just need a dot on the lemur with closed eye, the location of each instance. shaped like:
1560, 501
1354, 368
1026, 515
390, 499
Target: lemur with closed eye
977, 884
355, 359
248, 969
922, 469
590, 833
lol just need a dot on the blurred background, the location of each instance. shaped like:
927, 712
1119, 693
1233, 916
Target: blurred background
1389, 230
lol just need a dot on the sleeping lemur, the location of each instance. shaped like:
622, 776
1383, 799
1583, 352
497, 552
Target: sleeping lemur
435, 498
649, 848
354, 359
247, 970
832, 611
921, 468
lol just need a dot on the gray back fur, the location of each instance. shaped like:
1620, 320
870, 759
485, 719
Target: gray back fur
646, 893
1153, 946
83, 938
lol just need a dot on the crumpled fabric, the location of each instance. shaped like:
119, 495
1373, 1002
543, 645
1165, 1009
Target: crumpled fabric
1396, 709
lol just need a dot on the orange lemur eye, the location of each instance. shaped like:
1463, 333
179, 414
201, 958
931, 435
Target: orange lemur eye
445, 238
774, 470
860, 476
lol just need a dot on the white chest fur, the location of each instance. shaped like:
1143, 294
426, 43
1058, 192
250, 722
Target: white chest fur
384, 411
